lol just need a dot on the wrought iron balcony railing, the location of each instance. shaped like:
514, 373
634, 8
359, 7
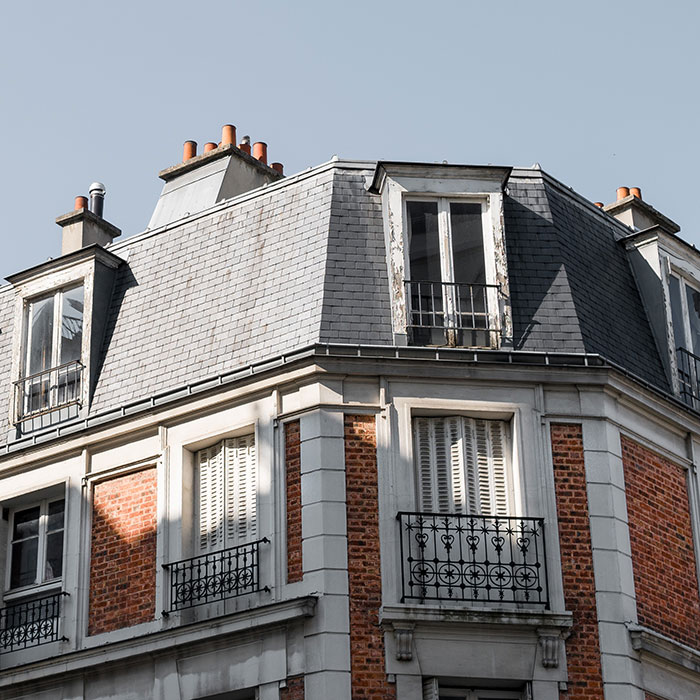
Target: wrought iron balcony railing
474, 558
209, 578
460, 314
48, 391
689, 376
30, 623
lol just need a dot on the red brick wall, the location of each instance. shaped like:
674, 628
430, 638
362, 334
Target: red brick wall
292, 460
368, 673
661, 536
582, 646
295, 686
123, 555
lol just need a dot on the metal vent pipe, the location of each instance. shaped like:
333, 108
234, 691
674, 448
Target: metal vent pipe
97, 198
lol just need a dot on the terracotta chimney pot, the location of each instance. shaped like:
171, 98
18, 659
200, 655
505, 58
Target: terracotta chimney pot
260, 151
189, 150
81, 203
278, 167
210, 146
228, 134
622, 192
599, 204
636, 191
244, 145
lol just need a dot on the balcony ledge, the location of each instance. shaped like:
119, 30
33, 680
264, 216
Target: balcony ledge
645, 640
391, 615
162, 642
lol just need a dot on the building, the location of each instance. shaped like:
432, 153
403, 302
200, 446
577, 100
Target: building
374, 430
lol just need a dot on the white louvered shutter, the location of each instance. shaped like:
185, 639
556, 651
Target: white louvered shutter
212, 498
241, 490
462, 465
424, 441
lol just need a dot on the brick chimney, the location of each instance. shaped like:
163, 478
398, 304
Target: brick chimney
85, 225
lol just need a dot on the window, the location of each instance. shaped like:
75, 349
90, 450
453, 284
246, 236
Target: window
434, 690
447, 294
36, 544
227, 494
685, 317
51, 368
462, 465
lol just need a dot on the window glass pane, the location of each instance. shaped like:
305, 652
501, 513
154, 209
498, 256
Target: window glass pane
26, 523
54, 556
693, 298
424, 245
23, 569
467, 243
71, 325
56, 515
40, 335
677, 312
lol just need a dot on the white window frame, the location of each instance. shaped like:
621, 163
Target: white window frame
447, 262
683, 281
40, 584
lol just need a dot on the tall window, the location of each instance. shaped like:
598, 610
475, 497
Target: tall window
54, 336
36, 544
685, 317
462, 465
446, 288
227, 495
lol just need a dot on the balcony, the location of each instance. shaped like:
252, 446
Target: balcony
30, 623
48, 391
214, 577
473, 558
442, 313
688, 377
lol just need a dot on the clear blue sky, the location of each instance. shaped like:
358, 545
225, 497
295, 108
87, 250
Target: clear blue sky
601, 94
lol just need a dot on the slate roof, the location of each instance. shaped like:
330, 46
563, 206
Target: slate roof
303, 261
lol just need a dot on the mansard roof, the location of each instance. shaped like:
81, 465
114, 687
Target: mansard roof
303, 261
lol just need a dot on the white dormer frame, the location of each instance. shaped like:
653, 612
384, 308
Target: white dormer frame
86, 267
398, 183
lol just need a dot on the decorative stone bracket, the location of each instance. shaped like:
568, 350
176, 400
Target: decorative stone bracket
549, 640
403, 641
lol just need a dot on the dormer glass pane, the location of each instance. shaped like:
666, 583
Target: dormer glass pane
424, 244
40, 338
693, 299
467, 243
72, 325
677, 312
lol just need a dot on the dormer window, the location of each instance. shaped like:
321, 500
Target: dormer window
61, 310
446, 291
446, 257
52, 368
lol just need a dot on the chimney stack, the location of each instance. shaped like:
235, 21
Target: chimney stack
260, 152
189, 150
84, 226
630, 209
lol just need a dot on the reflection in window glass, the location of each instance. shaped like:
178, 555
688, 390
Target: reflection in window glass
40, 335
467, 243
693, 299
677, 312
424, 245
71, 325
